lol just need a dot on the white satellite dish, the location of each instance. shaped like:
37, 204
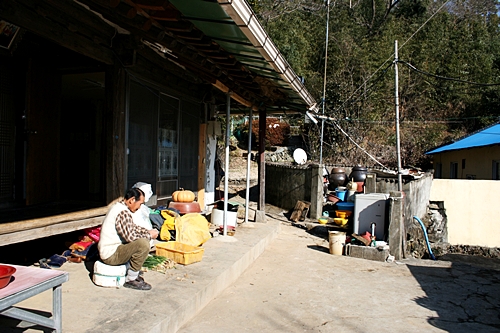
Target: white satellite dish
300, 156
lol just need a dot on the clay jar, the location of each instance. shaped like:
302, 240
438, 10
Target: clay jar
336, 178
358, 173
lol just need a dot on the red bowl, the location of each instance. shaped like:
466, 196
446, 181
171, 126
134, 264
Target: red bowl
185, 207
6, 273
332, 198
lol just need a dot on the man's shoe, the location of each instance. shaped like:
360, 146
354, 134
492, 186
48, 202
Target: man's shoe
137, 285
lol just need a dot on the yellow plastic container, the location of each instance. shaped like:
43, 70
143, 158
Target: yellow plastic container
340, 221
180, 253
343, 214
323, 220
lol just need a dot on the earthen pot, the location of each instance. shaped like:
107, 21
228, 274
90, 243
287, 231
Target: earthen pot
336, 178
358, 173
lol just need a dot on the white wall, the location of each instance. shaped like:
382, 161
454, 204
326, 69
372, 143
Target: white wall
472, 208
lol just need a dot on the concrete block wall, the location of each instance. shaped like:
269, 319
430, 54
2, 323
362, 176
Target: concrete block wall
366, 252
286, 184
416, 193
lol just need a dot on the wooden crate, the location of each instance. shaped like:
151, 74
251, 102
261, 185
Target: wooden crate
300, 211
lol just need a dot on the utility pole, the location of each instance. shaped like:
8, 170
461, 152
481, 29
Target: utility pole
398, 144
324, 84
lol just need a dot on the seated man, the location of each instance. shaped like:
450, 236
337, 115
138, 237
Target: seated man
123, 241
141, 216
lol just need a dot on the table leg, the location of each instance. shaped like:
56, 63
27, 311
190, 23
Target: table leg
57, 308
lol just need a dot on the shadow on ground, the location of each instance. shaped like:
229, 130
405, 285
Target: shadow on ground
465, 297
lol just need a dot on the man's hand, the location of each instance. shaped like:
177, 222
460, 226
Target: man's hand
154, 233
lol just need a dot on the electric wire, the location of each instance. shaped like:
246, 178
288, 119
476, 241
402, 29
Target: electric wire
357, 145
392, 55
367, 92
385, 70
423, 24
447, 78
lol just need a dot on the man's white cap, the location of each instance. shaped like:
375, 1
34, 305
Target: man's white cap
146, 188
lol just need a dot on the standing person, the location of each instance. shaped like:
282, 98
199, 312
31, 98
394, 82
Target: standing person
123, 241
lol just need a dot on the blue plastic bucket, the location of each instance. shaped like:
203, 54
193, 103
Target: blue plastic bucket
345, 205
340, 194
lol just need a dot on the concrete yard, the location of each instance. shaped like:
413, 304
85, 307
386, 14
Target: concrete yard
280, 278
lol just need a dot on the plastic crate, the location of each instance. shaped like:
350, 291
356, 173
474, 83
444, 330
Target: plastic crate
180, 253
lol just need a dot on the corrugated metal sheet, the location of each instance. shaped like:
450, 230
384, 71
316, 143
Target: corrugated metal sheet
248, 43
486, 137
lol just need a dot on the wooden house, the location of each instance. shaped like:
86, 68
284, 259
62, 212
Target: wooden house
96, 95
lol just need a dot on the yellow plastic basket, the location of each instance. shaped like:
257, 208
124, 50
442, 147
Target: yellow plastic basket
180, 253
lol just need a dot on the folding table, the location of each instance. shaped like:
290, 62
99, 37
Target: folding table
28, 282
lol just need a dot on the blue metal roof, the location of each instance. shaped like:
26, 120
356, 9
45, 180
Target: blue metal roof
486, 137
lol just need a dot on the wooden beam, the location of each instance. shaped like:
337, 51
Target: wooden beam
25, 17
11, 227
183, 26
165, 15
193, 35
219, 85
49, 230
153, 4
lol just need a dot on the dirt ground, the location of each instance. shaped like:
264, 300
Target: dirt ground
238, 172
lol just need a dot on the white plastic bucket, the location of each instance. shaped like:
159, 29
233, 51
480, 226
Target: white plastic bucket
218, 217
337, 242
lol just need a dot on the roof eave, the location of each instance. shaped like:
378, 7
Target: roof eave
247, 22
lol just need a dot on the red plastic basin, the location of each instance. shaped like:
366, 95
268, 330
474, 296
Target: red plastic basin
6, 273
185, 207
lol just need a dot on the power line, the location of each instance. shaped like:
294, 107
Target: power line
368, 90
423, 24
447, 78
445, 120
392, 55
357, 145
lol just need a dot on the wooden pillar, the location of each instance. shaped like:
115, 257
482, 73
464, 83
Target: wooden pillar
202, 167
115, 132
260, 215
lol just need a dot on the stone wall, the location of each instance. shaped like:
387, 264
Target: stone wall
435, 222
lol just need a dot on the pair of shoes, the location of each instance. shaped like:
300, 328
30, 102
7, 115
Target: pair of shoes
42, 263
137, 285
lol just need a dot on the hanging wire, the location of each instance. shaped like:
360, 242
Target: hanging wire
369, 89
447, 78
391, 57
357, 145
